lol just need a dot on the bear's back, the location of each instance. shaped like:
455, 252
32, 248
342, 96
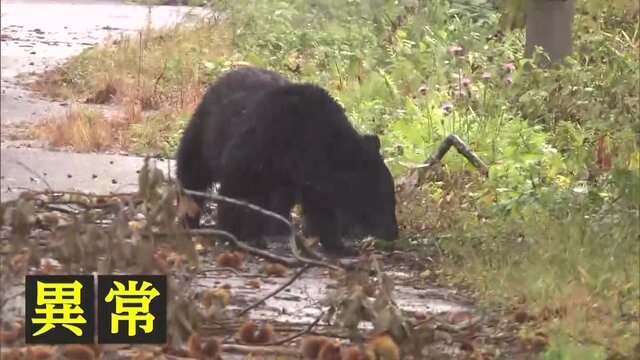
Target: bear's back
224, 103
304, 119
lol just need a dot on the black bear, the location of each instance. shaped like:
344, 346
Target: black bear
276, 143
215, 121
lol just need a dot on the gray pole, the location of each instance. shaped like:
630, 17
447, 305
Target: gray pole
549, 25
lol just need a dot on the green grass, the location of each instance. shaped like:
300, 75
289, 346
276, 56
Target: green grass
554, 226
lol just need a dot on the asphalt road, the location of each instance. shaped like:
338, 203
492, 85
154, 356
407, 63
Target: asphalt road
38, 34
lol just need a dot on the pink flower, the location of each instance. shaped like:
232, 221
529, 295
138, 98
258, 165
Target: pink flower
460, 93
456, 50
446, 107
509, 67
485, 75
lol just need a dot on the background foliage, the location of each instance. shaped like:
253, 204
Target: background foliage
557, 218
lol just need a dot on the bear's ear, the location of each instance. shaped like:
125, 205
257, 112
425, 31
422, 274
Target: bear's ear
371, 142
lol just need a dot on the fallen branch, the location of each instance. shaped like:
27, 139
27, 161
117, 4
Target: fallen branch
279, 327
276, 291
249, 249
299, 333
267, 255
292, 232
298, 261
293, 241
462, 148
243, 204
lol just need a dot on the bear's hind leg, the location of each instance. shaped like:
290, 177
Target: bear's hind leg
281, 202
245, 224
192, 172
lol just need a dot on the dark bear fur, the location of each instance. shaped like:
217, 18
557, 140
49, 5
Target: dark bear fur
216, 120
275, 143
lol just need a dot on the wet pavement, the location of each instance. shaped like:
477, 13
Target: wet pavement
66, 171
37, 35
299, 302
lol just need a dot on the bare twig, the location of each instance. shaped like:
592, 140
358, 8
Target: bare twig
299, 333
249, 249
462, 148
276, 291
243, 204
57, 203
155, 84
237, 273
292, 231
296, 240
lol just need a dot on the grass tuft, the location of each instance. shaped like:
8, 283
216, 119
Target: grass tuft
82, 128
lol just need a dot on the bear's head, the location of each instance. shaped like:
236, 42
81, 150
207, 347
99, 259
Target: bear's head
371, 201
